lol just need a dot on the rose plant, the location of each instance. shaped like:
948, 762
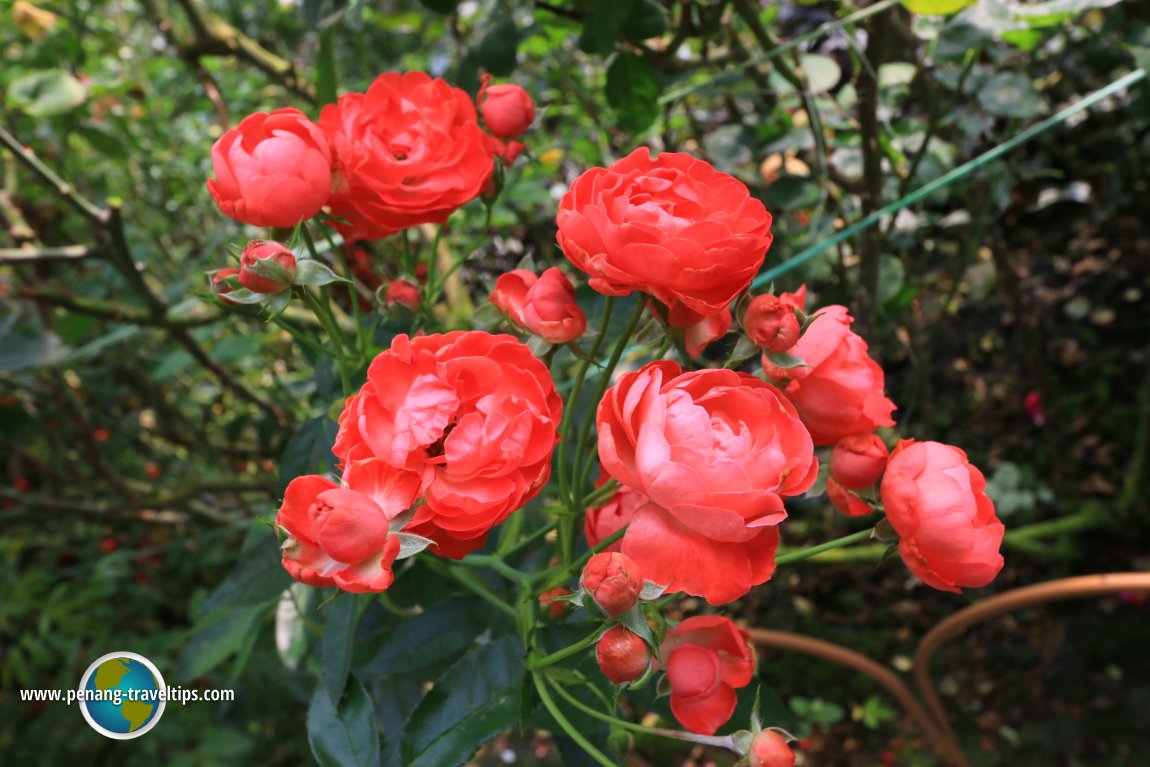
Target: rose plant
469, 452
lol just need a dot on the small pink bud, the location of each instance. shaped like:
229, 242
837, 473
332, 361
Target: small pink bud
507, 110
623, 656
613, 580
770, 749
267, 267
402, 292
858, 460
552, 602
771, 323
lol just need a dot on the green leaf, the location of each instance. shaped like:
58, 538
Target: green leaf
309, 450
936, 7
339, 642
439, 633
311, 272
497, 50
647, 19
474, 700
633, 91
258, 578
1011, 94
236, 348
172, 364
343, 736
46, 93
325, 75
444, 7
603, 20
785, 360
823, 72
217, 637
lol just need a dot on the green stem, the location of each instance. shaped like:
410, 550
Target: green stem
302, 337
572, 732
601, 494
473, 585
604, 382
566, 652
353, 297
542, 531
578, 563
838, 543
328, 321
496, 565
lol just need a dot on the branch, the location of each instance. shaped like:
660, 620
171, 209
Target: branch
116, 312
60, 253
25, 155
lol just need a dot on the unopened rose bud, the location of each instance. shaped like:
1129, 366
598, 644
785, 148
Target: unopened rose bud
771, 323
613, 580
402, 292
220, 285
859, 460
507, 110
770, 749
845, 501
552, 601
267, 267
623, 655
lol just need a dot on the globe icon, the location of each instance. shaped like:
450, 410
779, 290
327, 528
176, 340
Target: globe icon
121, 695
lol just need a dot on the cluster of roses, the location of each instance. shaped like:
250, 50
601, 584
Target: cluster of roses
453, 432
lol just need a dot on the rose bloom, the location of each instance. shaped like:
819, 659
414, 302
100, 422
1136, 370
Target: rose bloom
698, 330
706, 658
474, 414
840, 392
715, 451
341, 537
615, 514
272, 169
670, 226
543, 305
403, 293
409, 151
949, 534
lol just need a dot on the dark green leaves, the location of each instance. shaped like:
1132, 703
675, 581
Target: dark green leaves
633, 91
343, 735
339, 642
496, 51
258, 578
309, 450
432, 638
473, 701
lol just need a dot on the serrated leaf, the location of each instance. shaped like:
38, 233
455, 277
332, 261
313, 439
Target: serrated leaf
633, 91
785, 360
343, 735
474, 700
339, 642
308, 271
411, 544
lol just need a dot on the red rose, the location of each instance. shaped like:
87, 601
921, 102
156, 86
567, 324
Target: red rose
615, 514
845, 501
771, 323
341, 537
716, 452
858, 460
671, 226
272, 169
543, 305
707, 658
949, 535
409, 151
220, 283
770, 749
474, 414
507, 109
623, 656
613, 580
700, 330
840, 392
403, 293
267, 267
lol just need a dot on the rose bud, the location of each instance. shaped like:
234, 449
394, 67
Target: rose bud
770, 749
707, 658
623, 655
507, 110
771, 323
220, 286
272, 169
858, 460
267, 267
543, 305
845, 501
402, 292
552, 601
949, 534
613, 580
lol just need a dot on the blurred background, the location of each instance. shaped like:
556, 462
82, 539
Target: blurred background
146, 432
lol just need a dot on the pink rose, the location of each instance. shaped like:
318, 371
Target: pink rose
770, 749
716, 452
403, 293
615, 514
267, 267
543, 305
475, 415
706, 658
858, 460
771, 323
949, 534
507, 109
272, 169
840, 392
613, 580
623, 656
